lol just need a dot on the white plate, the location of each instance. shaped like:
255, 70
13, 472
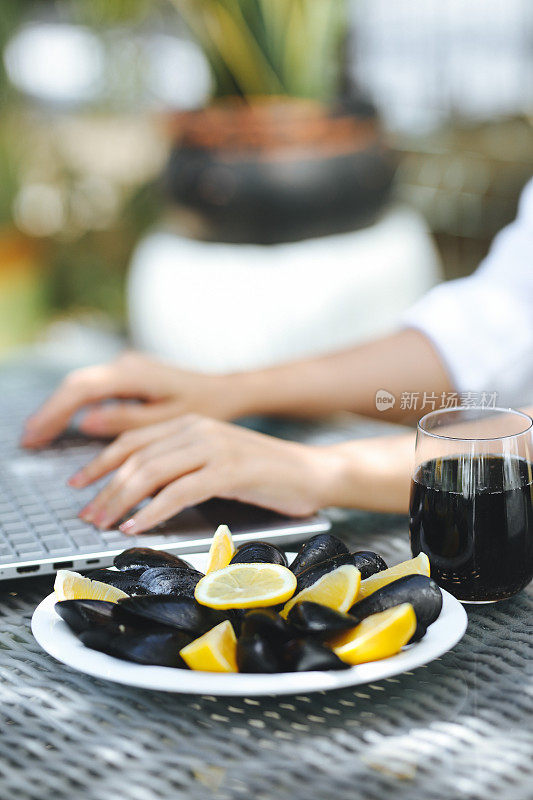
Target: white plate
57, 639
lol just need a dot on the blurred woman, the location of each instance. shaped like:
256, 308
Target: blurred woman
472, 335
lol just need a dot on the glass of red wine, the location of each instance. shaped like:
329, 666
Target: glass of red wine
471, 508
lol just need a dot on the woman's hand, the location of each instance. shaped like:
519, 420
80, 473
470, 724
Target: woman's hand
166, 391
187, 460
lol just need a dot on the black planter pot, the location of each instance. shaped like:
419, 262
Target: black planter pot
261, 177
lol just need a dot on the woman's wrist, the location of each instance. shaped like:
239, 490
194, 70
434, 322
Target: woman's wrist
231, 396
329, 477
372, 474
287, 389
249, 393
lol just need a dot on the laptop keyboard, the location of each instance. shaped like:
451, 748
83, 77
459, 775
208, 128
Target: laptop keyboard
38, 511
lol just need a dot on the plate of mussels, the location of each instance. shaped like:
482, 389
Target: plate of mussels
249, 621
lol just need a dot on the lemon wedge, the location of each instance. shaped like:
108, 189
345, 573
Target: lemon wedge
222, 549
246, 586
215, 651
414, 566
337, 589
379, 636
73, 586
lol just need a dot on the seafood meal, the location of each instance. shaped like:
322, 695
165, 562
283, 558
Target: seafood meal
252, 611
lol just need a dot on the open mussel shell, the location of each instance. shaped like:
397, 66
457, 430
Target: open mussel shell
145, 558
367, 562
268, 624
317, 548
313, 619
302, 655
179, 613
259, 553
255, 654
160, 648
125, 581
82, 615
419, 590
179, 581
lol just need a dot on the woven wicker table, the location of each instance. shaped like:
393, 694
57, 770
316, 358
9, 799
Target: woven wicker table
460, 728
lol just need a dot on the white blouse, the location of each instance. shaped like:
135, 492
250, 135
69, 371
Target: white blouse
482, 326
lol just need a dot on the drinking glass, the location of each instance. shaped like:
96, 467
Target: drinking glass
471, 508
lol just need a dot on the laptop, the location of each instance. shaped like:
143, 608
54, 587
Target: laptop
39, 528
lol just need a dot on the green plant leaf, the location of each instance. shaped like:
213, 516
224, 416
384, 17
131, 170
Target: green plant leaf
262, 47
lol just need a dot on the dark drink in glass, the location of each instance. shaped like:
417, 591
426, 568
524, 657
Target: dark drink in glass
471, 507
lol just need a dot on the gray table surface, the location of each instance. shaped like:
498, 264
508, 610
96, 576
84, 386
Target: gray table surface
456, 729
460, 727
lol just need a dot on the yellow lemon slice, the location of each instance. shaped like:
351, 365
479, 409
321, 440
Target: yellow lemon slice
337, 589
222, 549
73, 586
378, 636
246, 586
415, 566
215, 651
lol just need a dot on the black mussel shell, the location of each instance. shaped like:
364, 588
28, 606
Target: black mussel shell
179, 582
313, 619
126, 581
317, 548
259, 553
82, 615
236, 617
303, 655
98, 638
366, 562
160, 648
180, 613
419, 590
420, 632
255, 654
268, 624
106, 633
145, 558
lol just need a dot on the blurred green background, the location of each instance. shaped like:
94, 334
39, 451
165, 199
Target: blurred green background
87, 89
